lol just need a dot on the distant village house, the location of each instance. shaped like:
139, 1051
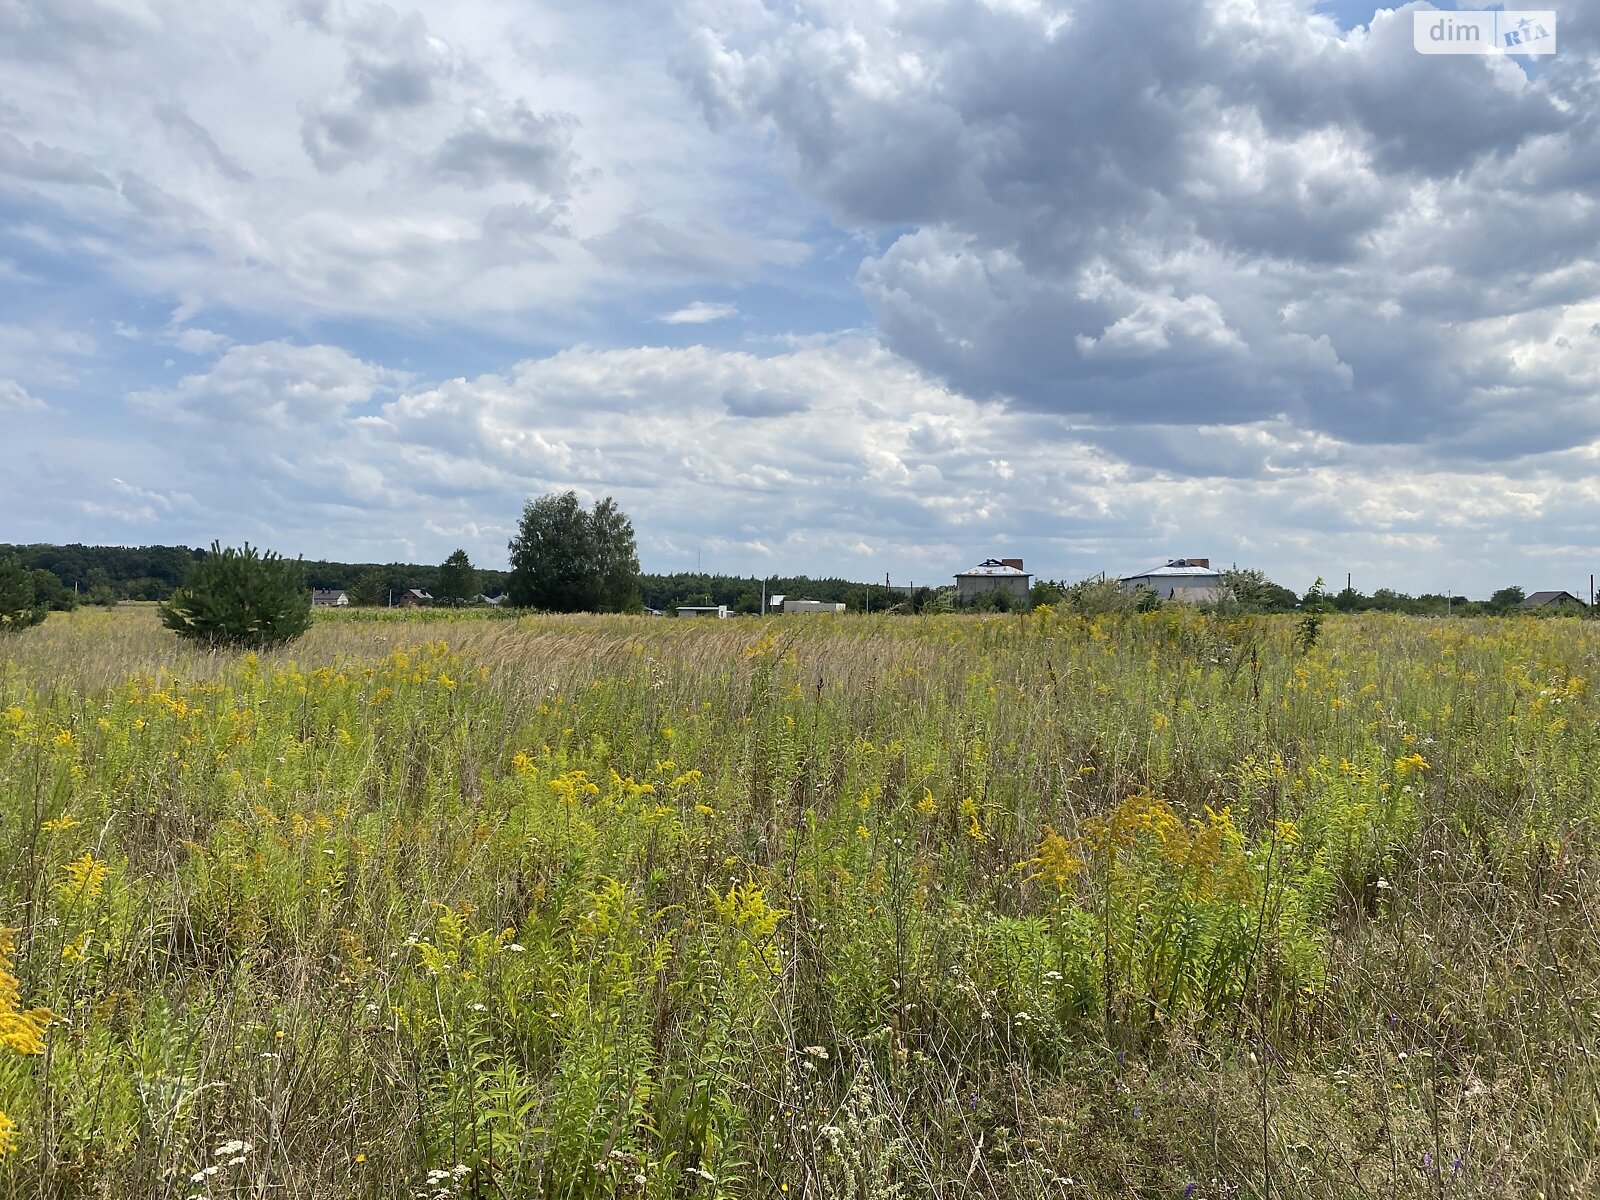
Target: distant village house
811, 606
718, 611
412, 597
1186, 580
329, 598
1546, 601
1004, 575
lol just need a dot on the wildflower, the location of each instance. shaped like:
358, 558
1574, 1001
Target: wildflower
1056, 861
86, 877
1410, 765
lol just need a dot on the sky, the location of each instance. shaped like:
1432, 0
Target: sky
827, 287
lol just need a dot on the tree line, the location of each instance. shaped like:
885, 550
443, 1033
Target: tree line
566, 558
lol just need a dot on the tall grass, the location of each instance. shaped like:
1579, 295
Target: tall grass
1020, 906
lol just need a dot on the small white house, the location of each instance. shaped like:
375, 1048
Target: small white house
1186, 580
329, 598
811, 606
994, 575
720, 611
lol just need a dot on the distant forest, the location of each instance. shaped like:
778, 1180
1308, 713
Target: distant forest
105, 574
152, 572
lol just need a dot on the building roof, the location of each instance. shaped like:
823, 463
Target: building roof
991, 567
1540, 599
1177, 568
419, 593
327, 593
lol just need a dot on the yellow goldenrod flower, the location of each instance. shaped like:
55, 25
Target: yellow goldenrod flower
85, 878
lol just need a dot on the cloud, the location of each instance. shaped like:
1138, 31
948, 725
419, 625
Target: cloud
390, 163
47, 164
1238, 214
763, 402
201, 341
793, 461
277, 385
701, 312
514, 146
15, 398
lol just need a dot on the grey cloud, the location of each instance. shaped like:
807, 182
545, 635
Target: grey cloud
47, 164
335, 137
763, 402
393, 68
395, 83
176, 117
515, 145
1164, 213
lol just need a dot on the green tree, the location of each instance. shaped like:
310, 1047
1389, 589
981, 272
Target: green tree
564, 559
1506, 599
1096, 595
1045, 591
19, 603
1249, 590
1316, 598
240, 598
50, 592
457, 581
370, 588
616, 557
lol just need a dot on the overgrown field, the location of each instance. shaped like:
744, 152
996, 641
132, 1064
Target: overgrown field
1029, 906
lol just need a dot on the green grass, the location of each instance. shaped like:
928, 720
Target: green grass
861, 907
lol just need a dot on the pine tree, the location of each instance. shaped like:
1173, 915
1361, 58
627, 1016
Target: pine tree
241, 598
19, 603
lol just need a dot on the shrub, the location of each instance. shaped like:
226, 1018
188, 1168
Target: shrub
19, 607
241, 598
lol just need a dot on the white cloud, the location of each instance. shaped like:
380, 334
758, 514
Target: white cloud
201, 341
401, 163
15, 398
701, 312
792, 461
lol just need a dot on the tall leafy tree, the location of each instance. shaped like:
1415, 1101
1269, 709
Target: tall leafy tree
616, 557
1506, 599
564, 559
51, 593
19, 603
457, 581
240, 598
